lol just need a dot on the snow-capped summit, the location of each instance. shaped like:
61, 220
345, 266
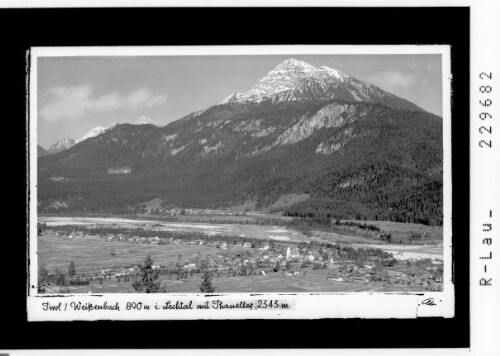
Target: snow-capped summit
61, 145
292, 64
286, 76
334, 72
67, 143
96, 131
297, 81
144, 120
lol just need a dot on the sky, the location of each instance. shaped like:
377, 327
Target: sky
76, 94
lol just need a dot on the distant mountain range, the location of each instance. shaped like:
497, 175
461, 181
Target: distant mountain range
96, 131
61, 145
42, 151
354, 149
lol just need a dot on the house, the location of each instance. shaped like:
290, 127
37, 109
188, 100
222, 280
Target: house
223, 245
396, 274
265, 264
247, 245
122, 170
295, 266
317, 255
103, 271
339, 279
357, 279
438, 278
292, 252
153, 240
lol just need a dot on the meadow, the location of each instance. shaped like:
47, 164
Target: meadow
279, 233
400, 231
90, 254
314, 281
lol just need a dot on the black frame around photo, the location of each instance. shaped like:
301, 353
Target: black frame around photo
25, 28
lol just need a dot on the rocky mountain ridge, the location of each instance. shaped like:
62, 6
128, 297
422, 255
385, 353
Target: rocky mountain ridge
294, 80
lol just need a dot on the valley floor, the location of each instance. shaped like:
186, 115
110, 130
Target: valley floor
315, 281
109, 262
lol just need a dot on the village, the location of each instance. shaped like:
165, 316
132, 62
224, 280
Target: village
237, 256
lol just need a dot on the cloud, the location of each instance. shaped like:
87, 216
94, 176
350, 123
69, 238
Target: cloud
392, 80
72, 103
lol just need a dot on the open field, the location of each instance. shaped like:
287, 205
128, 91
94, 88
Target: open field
400, 231
335, 238
405, 252
314, 281
279, 233
93, 254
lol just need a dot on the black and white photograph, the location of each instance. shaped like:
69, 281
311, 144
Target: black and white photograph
252, 171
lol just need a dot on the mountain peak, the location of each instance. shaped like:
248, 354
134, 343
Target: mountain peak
287, 77
334, 72
61, 145
96, 131
144, 120
292, 63
297, 81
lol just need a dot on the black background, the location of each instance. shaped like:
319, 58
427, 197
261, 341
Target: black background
23, 28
